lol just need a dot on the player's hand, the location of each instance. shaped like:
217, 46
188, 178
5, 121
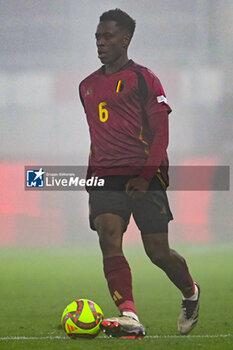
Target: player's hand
137, 187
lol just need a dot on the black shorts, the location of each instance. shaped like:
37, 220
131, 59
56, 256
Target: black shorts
151, 212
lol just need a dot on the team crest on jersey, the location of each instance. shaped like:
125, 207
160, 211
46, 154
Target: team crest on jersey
89, 91
120, 86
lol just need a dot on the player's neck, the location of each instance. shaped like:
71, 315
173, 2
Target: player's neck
117, 65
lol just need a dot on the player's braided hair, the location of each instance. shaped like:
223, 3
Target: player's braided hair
122, 19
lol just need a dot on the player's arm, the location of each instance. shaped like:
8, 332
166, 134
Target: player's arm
159, 126
157, 111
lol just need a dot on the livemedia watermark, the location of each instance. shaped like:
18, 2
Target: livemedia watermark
59, 178
74, 178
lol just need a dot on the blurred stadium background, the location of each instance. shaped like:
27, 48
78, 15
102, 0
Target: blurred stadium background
48, 47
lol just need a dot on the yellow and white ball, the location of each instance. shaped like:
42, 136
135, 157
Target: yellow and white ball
82, 319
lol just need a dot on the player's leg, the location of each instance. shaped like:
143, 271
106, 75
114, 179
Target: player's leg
109, 216
110, 227
152, 214
174, 265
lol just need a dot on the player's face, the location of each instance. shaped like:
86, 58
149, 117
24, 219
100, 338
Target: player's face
111, 42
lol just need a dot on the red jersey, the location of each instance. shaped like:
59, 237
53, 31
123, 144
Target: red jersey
121, 110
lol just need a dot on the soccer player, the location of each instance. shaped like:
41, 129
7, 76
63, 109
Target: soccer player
127, 113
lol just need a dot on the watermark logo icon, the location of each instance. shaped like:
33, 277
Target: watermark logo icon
35, 178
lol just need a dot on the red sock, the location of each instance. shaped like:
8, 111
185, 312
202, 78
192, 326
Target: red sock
118, 276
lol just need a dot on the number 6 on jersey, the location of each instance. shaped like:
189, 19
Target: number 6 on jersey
103, 112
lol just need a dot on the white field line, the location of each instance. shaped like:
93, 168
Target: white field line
148, 336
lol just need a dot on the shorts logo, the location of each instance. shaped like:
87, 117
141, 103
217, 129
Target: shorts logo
161, 99
35, 178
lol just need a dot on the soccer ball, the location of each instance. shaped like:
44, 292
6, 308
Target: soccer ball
81, 319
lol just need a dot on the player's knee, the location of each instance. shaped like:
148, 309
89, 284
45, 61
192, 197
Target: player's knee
107, 230
109, 226
110, 235
110, 243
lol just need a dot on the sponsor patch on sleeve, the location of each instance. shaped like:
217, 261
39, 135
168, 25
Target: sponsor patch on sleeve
161, 99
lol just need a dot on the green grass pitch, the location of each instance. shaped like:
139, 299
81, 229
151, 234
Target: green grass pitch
37, 283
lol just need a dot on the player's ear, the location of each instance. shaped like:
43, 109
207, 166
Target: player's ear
126, 40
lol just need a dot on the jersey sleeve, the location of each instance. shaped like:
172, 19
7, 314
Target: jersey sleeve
156, 100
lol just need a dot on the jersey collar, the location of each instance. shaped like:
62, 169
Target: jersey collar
102, 69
